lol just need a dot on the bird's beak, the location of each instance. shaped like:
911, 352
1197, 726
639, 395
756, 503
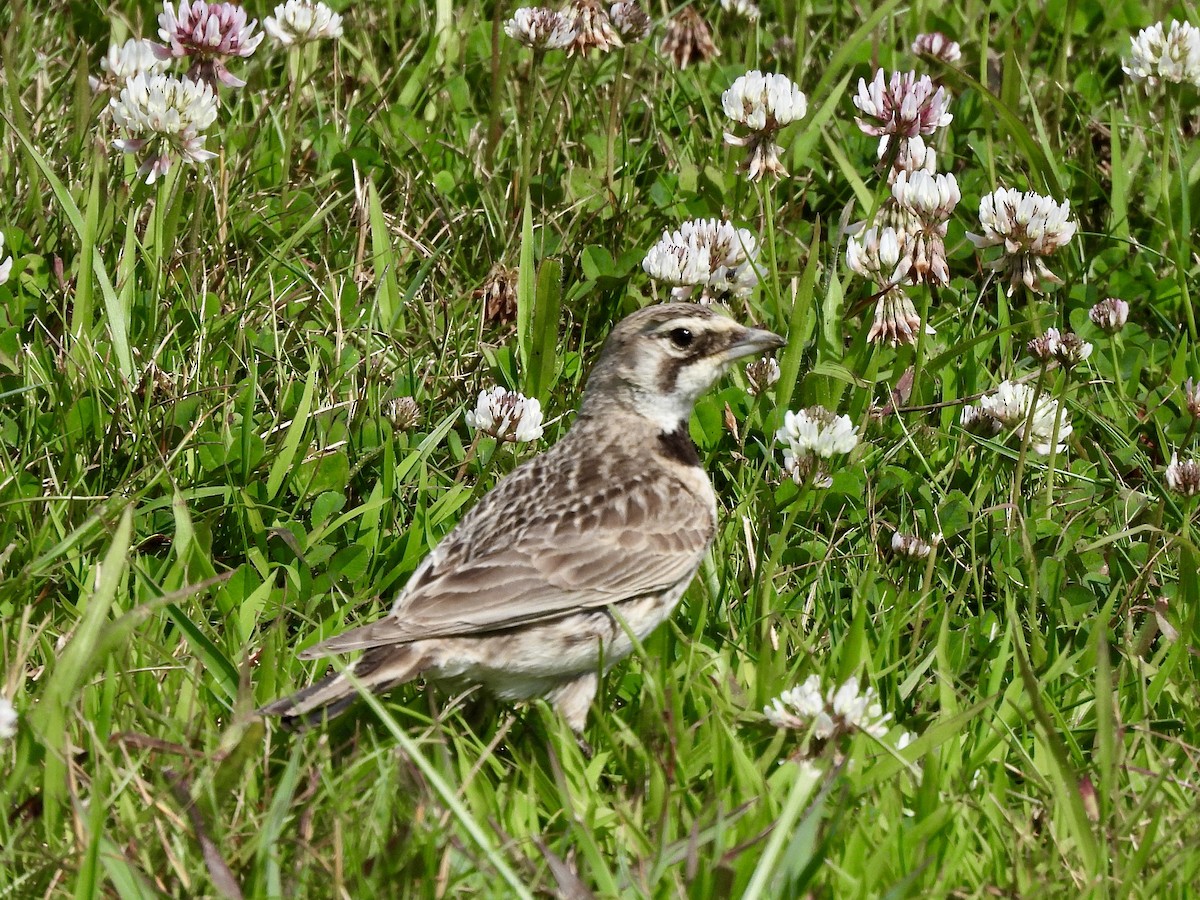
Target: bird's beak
754, 340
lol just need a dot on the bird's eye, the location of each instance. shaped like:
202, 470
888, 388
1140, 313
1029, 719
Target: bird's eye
681, 337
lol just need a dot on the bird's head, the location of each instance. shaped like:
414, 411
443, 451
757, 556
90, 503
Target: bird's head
659, 360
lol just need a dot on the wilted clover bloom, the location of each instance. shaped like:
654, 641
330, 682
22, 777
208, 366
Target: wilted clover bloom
1028, 226
812, 436
902, 106
929, 201
302, 22
540, 28
763, 103
1010, 406
1066, 348
209, 33
1183, 476
878, 254
1173, 57
507, 415
710, 254
630, 20
1109, 315
593, 28
164, 118
688, 39
762, 374
8, 719
403, 412
6, 263
938, 46
123, 61
840, 711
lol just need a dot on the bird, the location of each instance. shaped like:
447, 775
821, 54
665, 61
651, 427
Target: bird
576, 553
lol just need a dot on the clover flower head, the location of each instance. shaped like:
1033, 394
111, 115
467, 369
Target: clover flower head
912, 155
540, 28
840, 711
1109, 315
937, 46
6, 263
818, 432
1067, 348
688, 39
1191, 395
762, 374
929, 201
301, 22
902, 106
630, 20
763, 103
8, 719
164, 118
1173, 56
710, 254
123, 61
506, 415
897, 321
979, 421
209, 33
878, 254
912, 547
1010, 406
743, 9
593, 28
404, 413
1028, 226
1183, 476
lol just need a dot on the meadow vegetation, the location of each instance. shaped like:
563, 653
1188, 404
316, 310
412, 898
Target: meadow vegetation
233, 421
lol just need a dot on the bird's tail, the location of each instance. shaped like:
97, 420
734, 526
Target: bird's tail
379, 670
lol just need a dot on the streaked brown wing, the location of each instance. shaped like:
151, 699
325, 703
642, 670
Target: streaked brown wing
556, 556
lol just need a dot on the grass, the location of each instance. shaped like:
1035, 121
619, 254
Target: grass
200, 472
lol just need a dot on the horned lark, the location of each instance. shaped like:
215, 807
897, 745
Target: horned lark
546, 578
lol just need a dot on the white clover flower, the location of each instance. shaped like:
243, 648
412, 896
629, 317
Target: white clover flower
210, 33
979, 421
938, 46
8, 719
164, 118
1174, 57
123, 61
6, 263
1191, 397
877, 254
811, 438
840, 711
913, 547
630, 20
593, 28
744, 9
540, 28
301, 22
929, 201
1109, 315
1183, 476
710, 254
1010, 405
762, 374
902, 106
1028, 226
688, 39
506, 415
912, 155
764, 103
